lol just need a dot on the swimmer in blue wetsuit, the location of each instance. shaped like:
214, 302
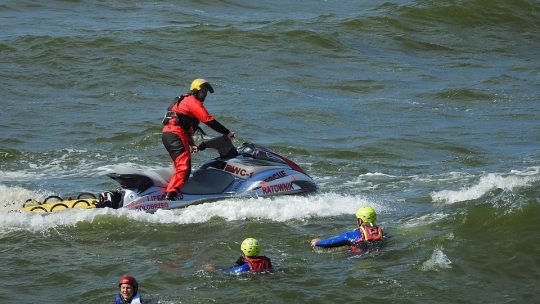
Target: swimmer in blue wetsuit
250, 261
358, 239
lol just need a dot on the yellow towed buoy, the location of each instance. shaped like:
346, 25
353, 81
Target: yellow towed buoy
55, 203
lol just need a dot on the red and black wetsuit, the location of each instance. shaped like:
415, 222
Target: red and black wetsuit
251, 264
182, 119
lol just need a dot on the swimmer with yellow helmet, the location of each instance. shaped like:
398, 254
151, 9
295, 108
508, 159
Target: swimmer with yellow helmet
358, 239
251, 261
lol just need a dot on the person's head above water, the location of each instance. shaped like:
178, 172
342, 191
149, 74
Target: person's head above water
366, 215
128, 286
250, 247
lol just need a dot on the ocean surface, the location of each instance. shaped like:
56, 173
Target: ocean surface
427, 111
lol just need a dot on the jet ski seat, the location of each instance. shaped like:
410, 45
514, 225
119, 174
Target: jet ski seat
132, 181
209, 181
131, 178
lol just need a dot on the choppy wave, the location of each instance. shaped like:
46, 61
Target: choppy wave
465, 94
63, 163
407, 106
489, 182
317, 32
424, 220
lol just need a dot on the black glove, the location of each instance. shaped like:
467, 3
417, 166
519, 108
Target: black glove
202, 146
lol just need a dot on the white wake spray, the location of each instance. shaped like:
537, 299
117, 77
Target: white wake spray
489, 182
278, 209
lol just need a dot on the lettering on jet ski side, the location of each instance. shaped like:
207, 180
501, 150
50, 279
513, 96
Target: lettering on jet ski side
161, 205
275, 176
150, 198
277, 188
238, 171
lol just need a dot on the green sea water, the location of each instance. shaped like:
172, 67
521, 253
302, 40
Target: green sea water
428, 111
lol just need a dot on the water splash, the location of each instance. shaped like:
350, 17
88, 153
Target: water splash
12, 198
437, 261
487, 183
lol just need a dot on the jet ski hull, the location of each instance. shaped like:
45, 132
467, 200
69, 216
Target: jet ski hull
251, 173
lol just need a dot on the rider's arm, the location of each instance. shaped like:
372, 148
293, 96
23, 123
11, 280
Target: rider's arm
216, 126
199, 111
345, 239
239, 269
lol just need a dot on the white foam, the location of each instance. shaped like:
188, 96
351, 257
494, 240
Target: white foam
377, 174
12, 198
424, 220
437, 261
37, 222
10, 176
370, 176
68, 163
489, 182
368, 181
278, 209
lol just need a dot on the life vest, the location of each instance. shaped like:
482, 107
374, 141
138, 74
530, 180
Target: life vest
258, 263
136, 299
179, 119
370, 233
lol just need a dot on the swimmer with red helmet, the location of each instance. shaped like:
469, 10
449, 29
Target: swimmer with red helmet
128, 293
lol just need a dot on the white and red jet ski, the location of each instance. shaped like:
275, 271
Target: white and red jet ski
249, 171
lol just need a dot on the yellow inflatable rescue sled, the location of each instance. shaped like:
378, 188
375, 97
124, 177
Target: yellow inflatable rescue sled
56, 203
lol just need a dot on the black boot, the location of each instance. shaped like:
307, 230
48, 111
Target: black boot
170, 196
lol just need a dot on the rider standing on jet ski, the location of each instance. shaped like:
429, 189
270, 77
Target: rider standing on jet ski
182, 119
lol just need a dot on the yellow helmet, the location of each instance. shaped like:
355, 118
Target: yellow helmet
250, 247
367, 215
199, 84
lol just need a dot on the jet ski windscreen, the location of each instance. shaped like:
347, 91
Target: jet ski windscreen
258, 152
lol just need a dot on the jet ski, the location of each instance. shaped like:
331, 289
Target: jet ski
249, 171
